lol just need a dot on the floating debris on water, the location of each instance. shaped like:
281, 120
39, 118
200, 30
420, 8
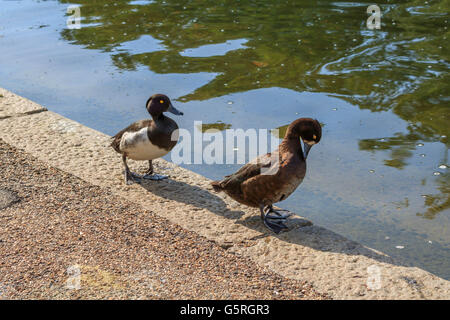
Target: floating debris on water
436, 173
423, 155
371, 171
443, 166
430, 242
400, 247
420, 144
386, 238
230, 102
334, 109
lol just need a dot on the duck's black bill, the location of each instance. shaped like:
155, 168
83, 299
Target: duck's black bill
174, 111
307, 147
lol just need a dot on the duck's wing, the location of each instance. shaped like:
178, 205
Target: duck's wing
134, 127
249, 170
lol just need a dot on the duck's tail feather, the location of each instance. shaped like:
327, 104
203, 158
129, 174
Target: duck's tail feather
217, 186
115, 144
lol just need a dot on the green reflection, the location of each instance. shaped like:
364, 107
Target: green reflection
438, 202
218, 126
279, 132
310, 46
400, 148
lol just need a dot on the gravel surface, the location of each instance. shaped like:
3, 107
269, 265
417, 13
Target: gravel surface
62, 226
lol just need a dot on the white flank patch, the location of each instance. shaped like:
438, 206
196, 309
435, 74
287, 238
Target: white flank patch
137, 146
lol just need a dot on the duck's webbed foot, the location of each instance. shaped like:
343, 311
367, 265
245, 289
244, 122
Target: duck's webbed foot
276, 213
150, 175
273, 223
155, 177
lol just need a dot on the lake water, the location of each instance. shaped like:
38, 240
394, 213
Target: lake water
380, 174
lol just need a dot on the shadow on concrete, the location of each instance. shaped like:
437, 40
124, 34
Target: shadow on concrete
301, 231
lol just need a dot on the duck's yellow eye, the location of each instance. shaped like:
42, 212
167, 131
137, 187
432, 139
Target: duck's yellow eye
161, 101
314, 137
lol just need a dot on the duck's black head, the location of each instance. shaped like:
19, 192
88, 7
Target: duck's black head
159, 103
309, 130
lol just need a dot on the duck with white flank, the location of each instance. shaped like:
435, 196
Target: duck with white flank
272, 177
148, 139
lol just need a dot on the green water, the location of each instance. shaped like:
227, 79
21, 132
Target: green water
379, 175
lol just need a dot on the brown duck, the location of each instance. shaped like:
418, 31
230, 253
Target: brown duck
272, 177
148, 139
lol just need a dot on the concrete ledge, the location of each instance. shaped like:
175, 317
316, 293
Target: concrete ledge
330, 262
14, 105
